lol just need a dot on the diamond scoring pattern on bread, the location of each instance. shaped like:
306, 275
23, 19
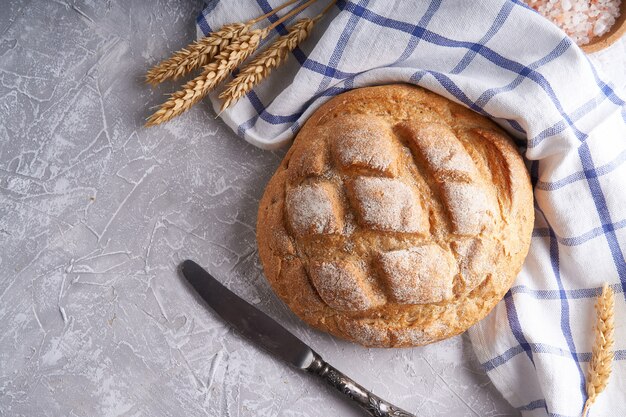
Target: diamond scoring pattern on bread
365, 143
471, 206
386, 205
394, 212
412, 275
314, 209
419, 275
343, 285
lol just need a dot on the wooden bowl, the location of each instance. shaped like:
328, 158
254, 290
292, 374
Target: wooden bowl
616, 32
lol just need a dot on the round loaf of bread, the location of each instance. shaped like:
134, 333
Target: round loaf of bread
397, 218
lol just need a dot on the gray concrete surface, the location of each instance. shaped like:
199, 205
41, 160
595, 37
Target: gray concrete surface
96, 212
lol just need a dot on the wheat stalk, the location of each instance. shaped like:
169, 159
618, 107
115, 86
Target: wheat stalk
195, 55
265, 62
230, 56
601, 353
214, 73
200, 52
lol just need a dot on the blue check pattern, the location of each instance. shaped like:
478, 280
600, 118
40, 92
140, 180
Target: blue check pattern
500, 59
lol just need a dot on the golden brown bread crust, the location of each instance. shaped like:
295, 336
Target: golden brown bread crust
397, 218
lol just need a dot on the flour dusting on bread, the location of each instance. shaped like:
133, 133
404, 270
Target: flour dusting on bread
313, 210
366, 143
343, 286
386, 205
418, 275
394, 218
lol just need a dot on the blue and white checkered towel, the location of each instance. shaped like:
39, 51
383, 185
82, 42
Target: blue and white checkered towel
502, 60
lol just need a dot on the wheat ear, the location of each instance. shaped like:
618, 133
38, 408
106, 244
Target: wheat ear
214, 73
265, 62
195, 55
601, 353
200, 52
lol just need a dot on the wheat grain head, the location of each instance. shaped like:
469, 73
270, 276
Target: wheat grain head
601, 353
195, 55
261, 66
214, 73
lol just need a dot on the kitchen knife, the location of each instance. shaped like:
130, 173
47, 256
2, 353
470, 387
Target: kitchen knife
271, 336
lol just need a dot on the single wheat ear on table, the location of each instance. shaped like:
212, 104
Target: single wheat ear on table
601, 353
196, 55
262, 65
214, 73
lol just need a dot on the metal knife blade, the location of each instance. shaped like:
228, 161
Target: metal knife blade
247, 319
264, 331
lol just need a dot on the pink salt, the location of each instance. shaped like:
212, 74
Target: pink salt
581, 20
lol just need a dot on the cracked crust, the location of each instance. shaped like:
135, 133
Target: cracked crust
397, 218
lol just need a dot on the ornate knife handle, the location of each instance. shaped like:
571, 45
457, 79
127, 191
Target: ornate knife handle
373, 404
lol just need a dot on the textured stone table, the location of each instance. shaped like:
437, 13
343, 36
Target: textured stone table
97, 212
